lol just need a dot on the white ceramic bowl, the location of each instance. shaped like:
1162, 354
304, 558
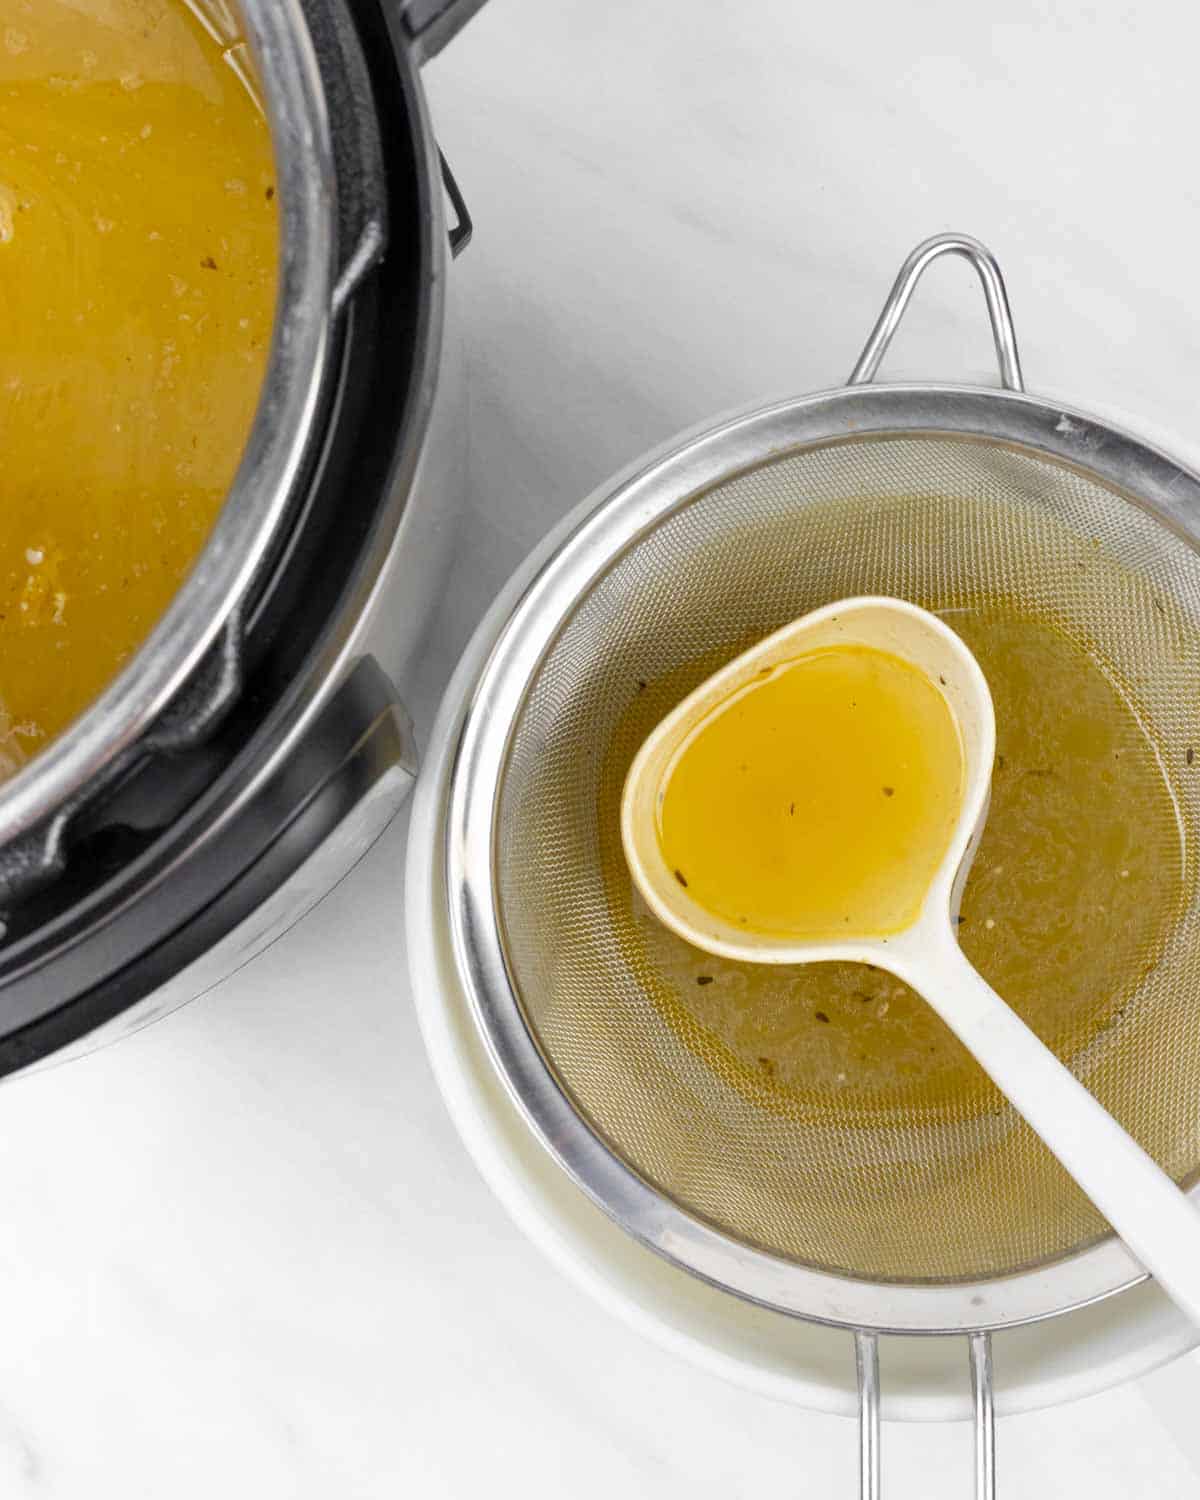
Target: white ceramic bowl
923, 1379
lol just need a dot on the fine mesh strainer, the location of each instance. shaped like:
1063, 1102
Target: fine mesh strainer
921, 1204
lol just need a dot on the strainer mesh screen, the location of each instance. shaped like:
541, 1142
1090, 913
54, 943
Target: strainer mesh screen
825, 1114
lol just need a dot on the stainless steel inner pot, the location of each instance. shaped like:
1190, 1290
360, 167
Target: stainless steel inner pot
243, 531
943, 494
333, 228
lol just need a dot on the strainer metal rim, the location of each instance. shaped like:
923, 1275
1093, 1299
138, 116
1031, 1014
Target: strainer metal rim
617, 520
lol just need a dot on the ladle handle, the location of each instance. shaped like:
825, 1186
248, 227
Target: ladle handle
1146, 1209
999, 314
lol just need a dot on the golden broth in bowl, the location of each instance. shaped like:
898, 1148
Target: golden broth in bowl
138, 252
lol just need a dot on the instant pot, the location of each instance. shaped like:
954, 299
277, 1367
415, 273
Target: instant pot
255, 746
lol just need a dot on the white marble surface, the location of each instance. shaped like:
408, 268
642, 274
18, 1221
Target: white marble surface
244, 1253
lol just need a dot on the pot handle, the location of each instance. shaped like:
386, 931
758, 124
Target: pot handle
331, 796
464, 226
295, 836
430, 24
999, 312
278, 850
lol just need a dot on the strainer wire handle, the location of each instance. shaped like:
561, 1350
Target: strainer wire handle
999, 313
985, 1416
866, 1356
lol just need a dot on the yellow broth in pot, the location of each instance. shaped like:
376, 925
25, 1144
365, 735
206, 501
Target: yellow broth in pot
138, 248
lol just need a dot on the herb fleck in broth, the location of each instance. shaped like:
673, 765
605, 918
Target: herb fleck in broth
1075, 890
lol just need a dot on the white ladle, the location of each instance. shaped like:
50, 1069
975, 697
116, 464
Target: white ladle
1143, 1205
